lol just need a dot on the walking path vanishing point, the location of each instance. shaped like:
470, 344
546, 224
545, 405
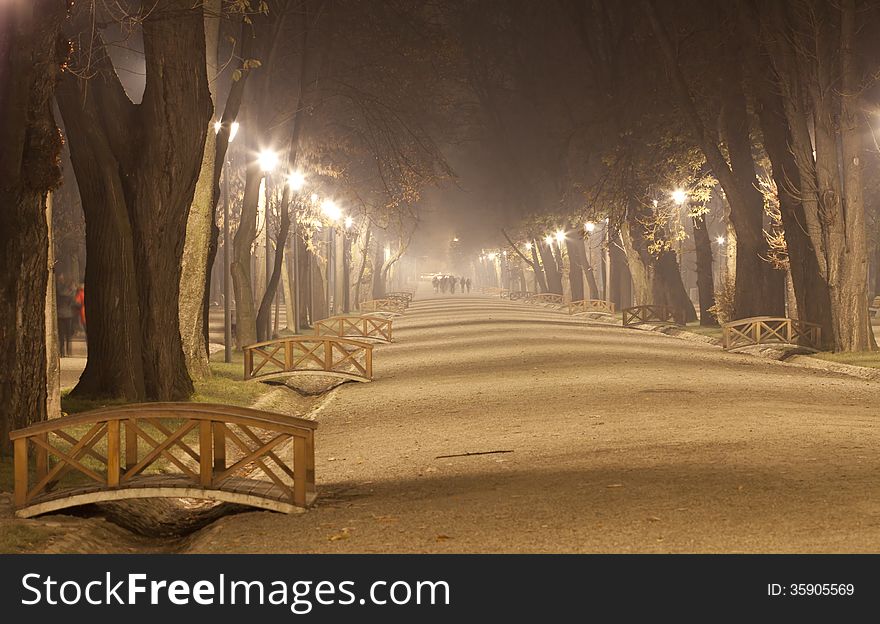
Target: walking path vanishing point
617, 441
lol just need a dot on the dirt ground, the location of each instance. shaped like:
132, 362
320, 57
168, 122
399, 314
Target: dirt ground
618, 441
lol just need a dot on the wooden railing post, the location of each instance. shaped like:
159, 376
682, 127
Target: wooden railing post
248, 362
205, 455
131, 445
310, 461
219, 446
21, 471
42, 457
300, 462
328, 355
113, 453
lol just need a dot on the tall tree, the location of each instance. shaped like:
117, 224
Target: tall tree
32, 55
136, 166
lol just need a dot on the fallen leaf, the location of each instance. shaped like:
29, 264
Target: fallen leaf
653, 519
442, 537
340, 536
614, 485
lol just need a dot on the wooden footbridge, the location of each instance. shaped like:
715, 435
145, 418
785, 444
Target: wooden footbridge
388, 306
329, 356
363, 327
645, 314
179, 450
591, 306
760, 330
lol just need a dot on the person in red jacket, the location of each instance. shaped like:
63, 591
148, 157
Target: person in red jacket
80, 299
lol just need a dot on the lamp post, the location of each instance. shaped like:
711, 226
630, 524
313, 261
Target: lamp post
227, 290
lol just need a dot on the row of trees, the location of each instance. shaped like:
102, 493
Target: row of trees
337, 89
600, 110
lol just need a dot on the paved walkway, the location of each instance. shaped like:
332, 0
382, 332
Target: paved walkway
618, 440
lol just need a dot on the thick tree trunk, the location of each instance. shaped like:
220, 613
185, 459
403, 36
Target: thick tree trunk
668, 288
30, 60
137, 167
263, 316
705, 282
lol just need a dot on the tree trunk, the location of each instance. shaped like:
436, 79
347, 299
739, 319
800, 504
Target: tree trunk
759, 289
378, 273
551, 270
30, 60
639, 262
364, 255
576, 259
668, 288
540, 277
195, 271
53, 362
137, 167
705, 283
263, 316
289, 302
240, 267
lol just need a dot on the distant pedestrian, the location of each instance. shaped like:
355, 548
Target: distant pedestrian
452, 282
436, 283
444, 283
461, 282
80, 300
468, 285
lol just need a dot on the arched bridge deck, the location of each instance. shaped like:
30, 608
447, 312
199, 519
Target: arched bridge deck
331, 356
178, 450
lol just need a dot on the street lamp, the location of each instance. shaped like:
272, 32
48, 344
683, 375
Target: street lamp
590, 227
720, 240
296, 180
679, 196
560, 236
548, 239
528, 246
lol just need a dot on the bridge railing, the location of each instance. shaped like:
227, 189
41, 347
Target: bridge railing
652, 313
771, 330
389, 306
400, 295
546, 298
519, 295
131, 451
585, 306
361, 327
315, 355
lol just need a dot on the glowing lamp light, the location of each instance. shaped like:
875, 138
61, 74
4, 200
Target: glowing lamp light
296, 180
679, 196
655, 202
233, 130
331, 210
548, 239
560, 236
720, 240
589, 226
267, 160
492, 256
217, 125
348, 222
314, 198
455, 240
529, 246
